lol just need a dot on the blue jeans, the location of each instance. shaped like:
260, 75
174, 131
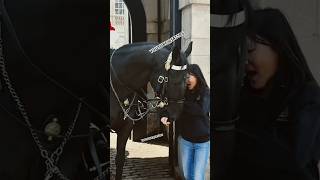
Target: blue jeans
193, 158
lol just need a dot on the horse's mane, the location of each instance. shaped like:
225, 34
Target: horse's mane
146, 46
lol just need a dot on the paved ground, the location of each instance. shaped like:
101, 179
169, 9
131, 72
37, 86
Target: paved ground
144, 160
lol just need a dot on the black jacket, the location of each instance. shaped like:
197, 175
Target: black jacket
193, 123
269, 147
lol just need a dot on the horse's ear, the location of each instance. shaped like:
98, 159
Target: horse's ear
189, 49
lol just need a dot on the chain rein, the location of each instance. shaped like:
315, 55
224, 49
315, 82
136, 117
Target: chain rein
52, 159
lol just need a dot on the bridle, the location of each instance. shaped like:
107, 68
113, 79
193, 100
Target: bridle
163, 81
159, 101
51, 157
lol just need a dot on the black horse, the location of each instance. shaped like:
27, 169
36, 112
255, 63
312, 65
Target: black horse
132, 67
53, 65
228, 32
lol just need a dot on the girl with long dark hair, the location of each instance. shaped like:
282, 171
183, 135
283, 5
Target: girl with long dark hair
279, 128
194, 127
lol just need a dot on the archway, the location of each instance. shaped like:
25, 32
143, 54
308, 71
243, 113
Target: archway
138, 20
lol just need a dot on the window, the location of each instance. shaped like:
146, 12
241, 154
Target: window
119, 7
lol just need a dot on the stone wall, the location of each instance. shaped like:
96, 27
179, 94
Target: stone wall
151, 10
121, 24
196, 25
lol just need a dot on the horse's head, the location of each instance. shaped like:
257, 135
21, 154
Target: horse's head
170, 84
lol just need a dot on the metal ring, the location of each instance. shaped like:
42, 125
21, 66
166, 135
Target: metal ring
160, 79
166, 79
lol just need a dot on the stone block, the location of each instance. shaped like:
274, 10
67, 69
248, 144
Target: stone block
150, 8
204, 63
199, 47
184, 3
152, 27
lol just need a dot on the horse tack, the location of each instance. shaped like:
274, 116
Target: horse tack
228, 22
161, 101
53, 128
136, 57
126, 102
51, 159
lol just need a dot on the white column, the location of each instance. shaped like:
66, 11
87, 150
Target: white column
195, 21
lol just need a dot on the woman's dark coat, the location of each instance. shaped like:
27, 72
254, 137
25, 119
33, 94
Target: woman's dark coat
279, 138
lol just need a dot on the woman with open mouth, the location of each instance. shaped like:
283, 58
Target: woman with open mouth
279, 127
194, 126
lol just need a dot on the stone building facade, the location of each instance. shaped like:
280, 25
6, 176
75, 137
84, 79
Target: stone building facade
119, 19
195, 23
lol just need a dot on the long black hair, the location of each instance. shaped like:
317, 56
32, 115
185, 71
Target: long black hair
272, 25
201, 85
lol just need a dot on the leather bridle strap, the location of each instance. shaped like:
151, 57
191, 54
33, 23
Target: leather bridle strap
222, 20
6, 19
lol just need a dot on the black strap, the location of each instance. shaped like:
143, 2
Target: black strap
225, 125
224, 21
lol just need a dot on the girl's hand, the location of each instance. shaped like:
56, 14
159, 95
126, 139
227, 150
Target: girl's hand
165, 121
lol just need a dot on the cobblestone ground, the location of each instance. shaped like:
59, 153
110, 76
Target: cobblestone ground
144, 160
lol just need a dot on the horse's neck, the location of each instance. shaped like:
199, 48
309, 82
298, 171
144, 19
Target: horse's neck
135, 77
134, 73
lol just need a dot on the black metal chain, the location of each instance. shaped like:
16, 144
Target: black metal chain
50, 159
